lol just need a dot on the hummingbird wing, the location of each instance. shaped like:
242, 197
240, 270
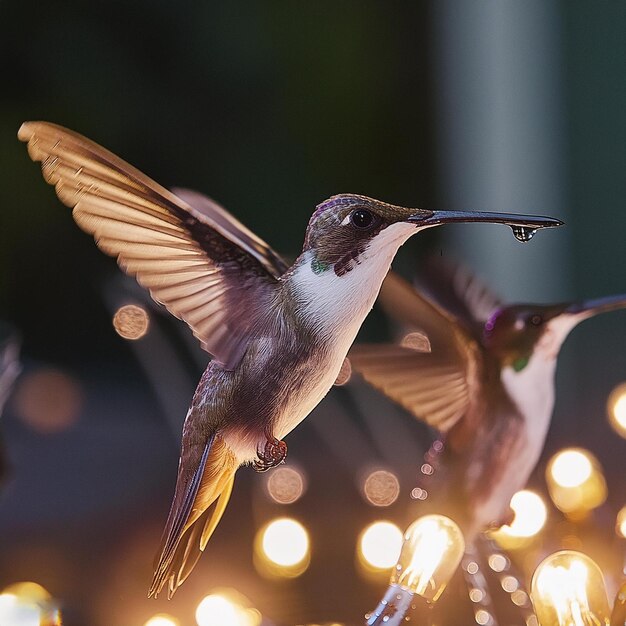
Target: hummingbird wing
202, 265
434, 385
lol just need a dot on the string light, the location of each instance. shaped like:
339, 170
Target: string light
575, 482
379, 545
568, 590
431, 552
226, 608
28, 604
282, 548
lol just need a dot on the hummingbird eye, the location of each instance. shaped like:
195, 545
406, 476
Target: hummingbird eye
361, 218
536, 320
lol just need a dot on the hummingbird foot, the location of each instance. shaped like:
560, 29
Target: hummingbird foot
274, 453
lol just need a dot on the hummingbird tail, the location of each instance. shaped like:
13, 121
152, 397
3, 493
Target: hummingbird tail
195, 513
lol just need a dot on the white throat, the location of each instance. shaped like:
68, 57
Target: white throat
339, 304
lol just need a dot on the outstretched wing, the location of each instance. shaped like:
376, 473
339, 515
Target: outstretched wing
434, 386
202, 265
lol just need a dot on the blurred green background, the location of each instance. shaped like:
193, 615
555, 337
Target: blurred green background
270, 108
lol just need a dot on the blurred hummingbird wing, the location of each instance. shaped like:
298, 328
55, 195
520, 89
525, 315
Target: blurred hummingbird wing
433, 382
215, 277
455, 289
205, 481
433, 389
237, 231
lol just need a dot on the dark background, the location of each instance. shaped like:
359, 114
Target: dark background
270, 108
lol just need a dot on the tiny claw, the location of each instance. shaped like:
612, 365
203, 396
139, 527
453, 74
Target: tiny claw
274, 453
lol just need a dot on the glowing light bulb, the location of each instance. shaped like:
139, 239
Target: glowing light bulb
216, 610
28, 604
575, 482
431, 552
571, 468
616, 406
568, 590
380, 545
282, 548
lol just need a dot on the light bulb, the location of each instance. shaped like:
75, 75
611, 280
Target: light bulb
575, 482
568, 590
432, 550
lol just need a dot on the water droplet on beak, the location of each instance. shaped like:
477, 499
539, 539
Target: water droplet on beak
523, 233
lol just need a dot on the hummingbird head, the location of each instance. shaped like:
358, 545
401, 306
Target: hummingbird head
514, 333
347, 228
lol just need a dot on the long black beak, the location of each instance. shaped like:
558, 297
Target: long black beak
589, 308
523, 226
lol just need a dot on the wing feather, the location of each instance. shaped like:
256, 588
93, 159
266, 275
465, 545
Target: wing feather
202, 264
434, 386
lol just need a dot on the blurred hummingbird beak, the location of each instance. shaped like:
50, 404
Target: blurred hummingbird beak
589, 308
523, 226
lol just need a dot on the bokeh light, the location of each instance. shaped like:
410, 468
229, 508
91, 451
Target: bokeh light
571, 468
218, 610
620, 522
285, 485
131, 321
530, 514
226, 607
28, 604
616, 407
381, 488
48, 400
282, 548
380, 545
15, 612
285, 542
575, 482
162, 619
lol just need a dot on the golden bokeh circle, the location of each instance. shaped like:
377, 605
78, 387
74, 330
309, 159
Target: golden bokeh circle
131, 321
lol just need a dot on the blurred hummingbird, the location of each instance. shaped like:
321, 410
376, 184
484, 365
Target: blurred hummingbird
278, 335
482, 374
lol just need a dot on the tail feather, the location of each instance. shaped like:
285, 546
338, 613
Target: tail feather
191, 520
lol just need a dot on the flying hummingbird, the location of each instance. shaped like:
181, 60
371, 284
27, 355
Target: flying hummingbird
278, 335
482, 375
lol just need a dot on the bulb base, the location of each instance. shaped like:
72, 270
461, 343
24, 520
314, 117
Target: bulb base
393, 609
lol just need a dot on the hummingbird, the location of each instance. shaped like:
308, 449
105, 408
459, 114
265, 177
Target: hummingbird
277, 334
480, 373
